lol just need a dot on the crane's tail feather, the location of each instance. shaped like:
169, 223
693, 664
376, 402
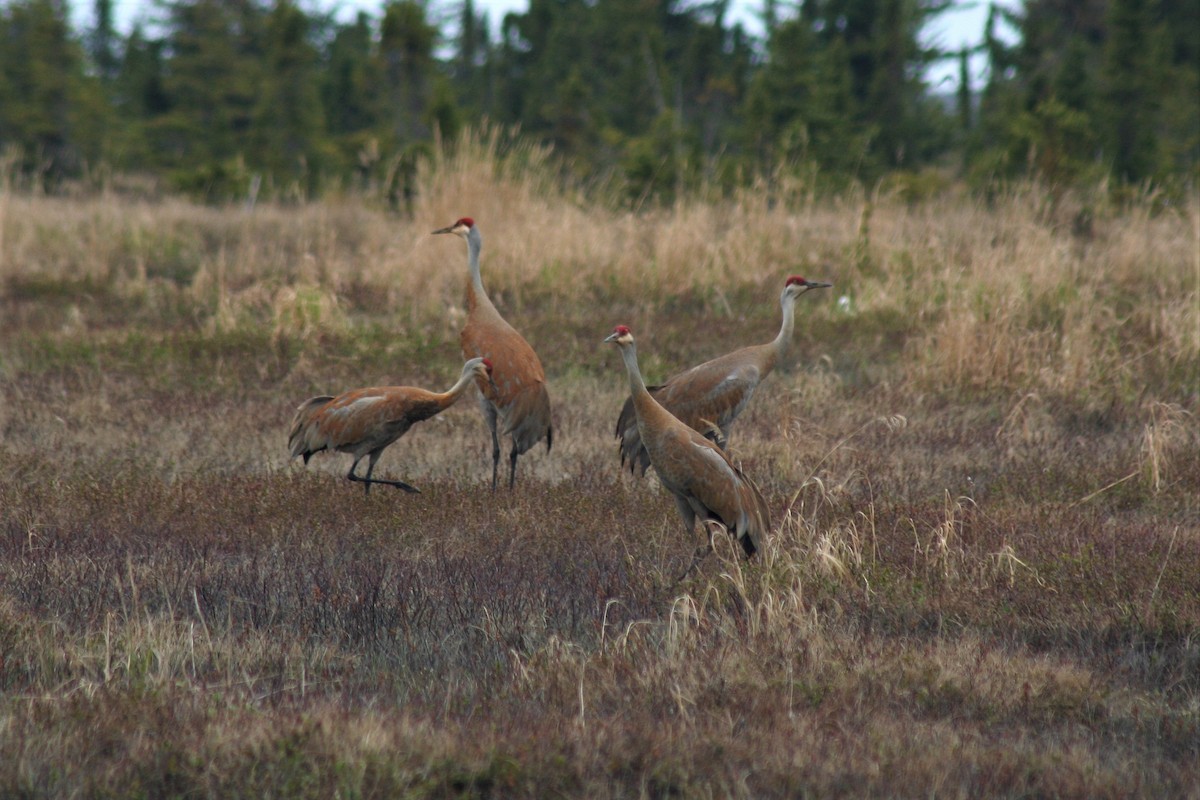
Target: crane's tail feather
757, 521
526, 418
300, 433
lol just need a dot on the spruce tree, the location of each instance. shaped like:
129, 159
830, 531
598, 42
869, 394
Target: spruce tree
963, 94
102, 41
288, 124
349, 81
49, 109
405, 56
1130, 91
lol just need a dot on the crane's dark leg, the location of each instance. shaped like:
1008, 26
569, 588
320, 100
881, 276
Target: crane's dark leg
369, 480
747, 543
352, 477
701, 554
689, 523
512, 468
490, 416
710, 525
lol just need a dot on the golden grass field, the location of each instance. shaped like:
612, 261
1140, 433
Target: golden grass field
984, 471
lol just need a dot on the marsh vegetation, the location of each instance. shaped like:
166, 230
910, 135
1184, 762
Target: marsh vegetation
983, 468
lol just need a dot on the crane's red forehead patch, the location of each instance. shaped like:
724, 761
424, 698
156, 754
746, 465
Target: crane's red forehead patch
795, 280
470, 223
622, 330
487, 362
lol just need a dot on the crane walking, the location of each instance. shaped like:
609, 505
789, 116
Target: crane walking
363, 422
710, 396
515, 403
704, 482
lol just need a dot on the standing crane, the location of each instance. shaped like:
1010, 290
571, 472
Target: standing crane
515, 403
363, 422
710, 396
704, 482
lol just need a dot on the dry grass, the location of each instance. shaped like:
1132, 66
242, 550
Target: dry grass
983, 470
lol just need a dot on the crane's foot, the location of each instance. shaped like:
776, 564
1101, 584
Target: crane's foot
397, 484
402, 485
701, 554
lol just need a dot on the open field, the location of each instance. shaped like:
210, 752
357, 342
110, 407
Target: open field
984, 470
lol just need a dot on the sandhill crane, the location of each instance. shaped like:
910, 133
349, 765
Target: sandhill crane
704, 482
363, 422
709, 397
515, 403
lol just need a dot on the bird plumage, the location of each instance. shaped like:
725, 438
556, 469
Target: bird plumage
363, 422
516, 402
702, 479
710, 396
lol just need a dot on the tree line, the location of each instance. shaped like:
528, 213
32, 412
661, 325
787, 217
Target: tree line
221, 97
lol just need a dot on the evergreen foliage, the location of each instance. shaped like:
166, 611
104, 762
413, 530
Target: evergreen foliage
662, 96
46, 99
1095, 88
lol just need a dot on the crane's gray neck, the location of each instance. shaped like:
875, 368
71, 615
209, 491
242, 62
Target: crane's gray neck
788, 302
629, 354
474, 245
464, 380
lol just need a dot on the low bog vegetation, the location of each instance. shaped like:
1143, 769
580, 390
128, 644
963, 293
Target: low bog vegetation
983, 469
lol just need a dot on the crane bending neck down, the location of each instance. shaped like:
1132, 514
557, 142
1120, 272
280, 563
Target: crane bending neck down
468, 378
364, 422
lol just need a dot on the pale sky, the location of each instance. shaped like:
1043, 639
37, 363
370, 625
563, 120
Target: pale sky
961, 25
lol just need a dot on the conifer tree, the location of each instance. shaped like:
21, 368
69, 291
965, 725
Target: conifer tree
349, 82
48, 107
406, 42
288, 124
102, 41
964, 97
471, 65
212, 81
1130, 90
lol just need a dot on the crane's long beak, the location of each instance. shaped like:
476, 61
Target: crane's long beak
445, 230
612, 337
817, 285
